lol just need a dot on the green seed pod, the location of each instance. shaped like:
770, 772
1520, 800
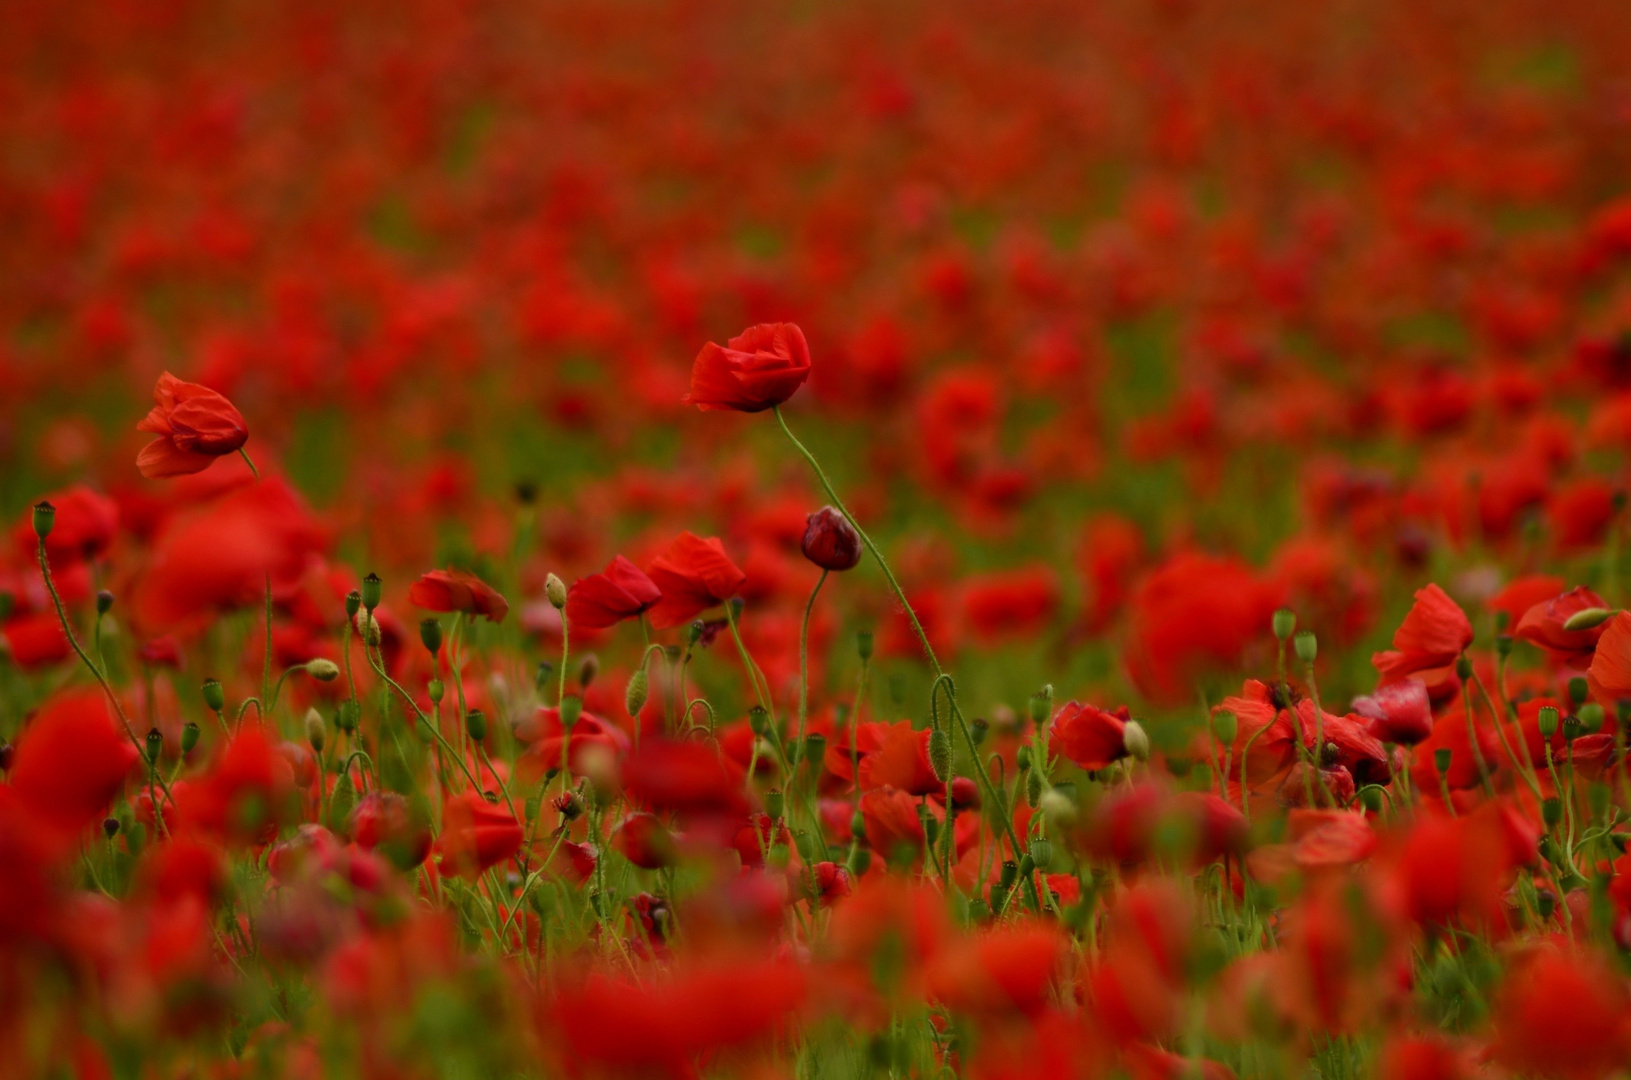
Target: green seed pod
979, 911
863, 645
214, 696
634, 696
1284, 623
1042, 852
815, 748
430, 635
1463, 668
1547, 720
1578, 691
1225, 724
1010, 873
189, 737
353, 603
1503, 645
940, 758
475, 722
571, 709
45, 516
759, 720
1371, 798
1441, 760
774, 804
436, 690
1022, 756
1591, 717
979, 729
1551, 811
1307, 646
1041, 704
155, 745
372, 591
1027, 865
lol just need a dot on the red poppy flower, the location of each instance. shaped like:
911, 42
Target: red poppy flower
621, 591
1089, 736
902, 761
1265, 736
1008, 970
82, 528
194, 424
694, 574
476, 835
35, 640
71, 760
386, 822
1562, 1014
1398, 712
1610, 673
455, 590
1432, 636
684, 777
1192, 615
763, 367
644, 842
1542, 626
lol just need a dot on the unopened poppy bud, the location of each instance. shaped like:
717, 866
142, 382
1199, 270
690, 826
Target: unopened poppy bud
694, 632
214, 696
940, 754
372, 590
857, 825
1441, 760
1547, 720
104, 601
353, 603
830, 541
370, 631
555, 590
1307, 646
1578, 690
110, 827
1371, 797
571, 709
1041, 705
1225, 724
323, 670
863, 644
1588, 618
155, 745
1503, 645
634, 697
1022, 756
316, 733
759, 719
1463, 668
774, 804
45, 516
1591, 717
435, 689
1042, 852
1284, 623
588, 670
346, 718
475, 722
979, 729
1551, 811
1136, 741
1033, 787
189, 737
1027, 865
430, 634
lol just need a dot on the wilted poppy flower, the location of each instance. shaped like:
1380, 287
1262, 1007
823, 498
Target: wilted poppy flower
763, 367
694, 574
1432, 636
455, 590
830, 541
476, 835
621, 591
1089, 736
1542, 626
194, 424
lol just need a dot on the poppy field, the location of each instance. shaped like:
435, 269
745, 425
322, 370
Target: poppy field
680, 539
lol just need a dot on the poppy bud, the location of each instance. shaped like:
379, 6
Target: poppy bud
1546, 720
634, 698
555, 590
189, 737
774, 804
1284, 623
1041, 704
1551, 811
1225, 724
1059, 808
45, 516
372, 588
940, 754
1022, 756
1033, 787
588, 670
475, 722
1136, 741
155, 745
104, 601
1027, 865
1588, 618
1042, 852
1591, 717
857, 825
863, 644
759, 719
1307, 646
346, 718
315, 732
214, 696
370, 631
435, 689
830, 541
1463, 668
1577, 690
694, 632
1503, 645
1371, 797
1441, 760
430, 633
979, 729
323, 670
110, 827
571, 709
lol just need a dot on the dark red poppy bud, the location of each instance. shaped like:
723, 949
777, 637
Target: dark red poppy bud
830, 541
104, 601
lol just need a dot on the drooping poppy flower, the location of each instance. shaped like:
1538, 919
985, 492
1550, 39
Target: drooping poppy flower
1398, 712
621, 591
455, 590
694, 575
71, 760
1089, 736
763, 367
830, 541
194, 424
1432, 636
1542, 626
476, 835
83, 526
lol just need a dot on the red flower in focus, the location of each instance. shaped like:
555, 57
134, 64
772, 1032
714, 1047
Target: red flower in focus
694, 574
455, 590
72, 760
476, 835
194, 424
1562, 1015
1432, 636
1089, 736
830, 541
1610, 673
763, 367
83, 527
621, 591
1542, 626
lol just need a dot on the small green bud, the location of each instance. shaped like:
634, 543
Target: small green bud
1578, 690
1463, 668
316, 733
1226, 725
774, 804
857, 825
1503, 645
435, 689
1441, 760
347, 716
189, 737
1136, 740
815, 748
45, 516
1588, 618
694, 632
430, 635
1022, 756
214, 696
1591, 717
323, 670
1307, 646
1371, 797
1027, 865
555, 590
979, 911
863, 644
1284, 623
940, 756
104, 601
1042, 705
1547, 720
634, 697
372, 591
475, 722
155, 745
571, 709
